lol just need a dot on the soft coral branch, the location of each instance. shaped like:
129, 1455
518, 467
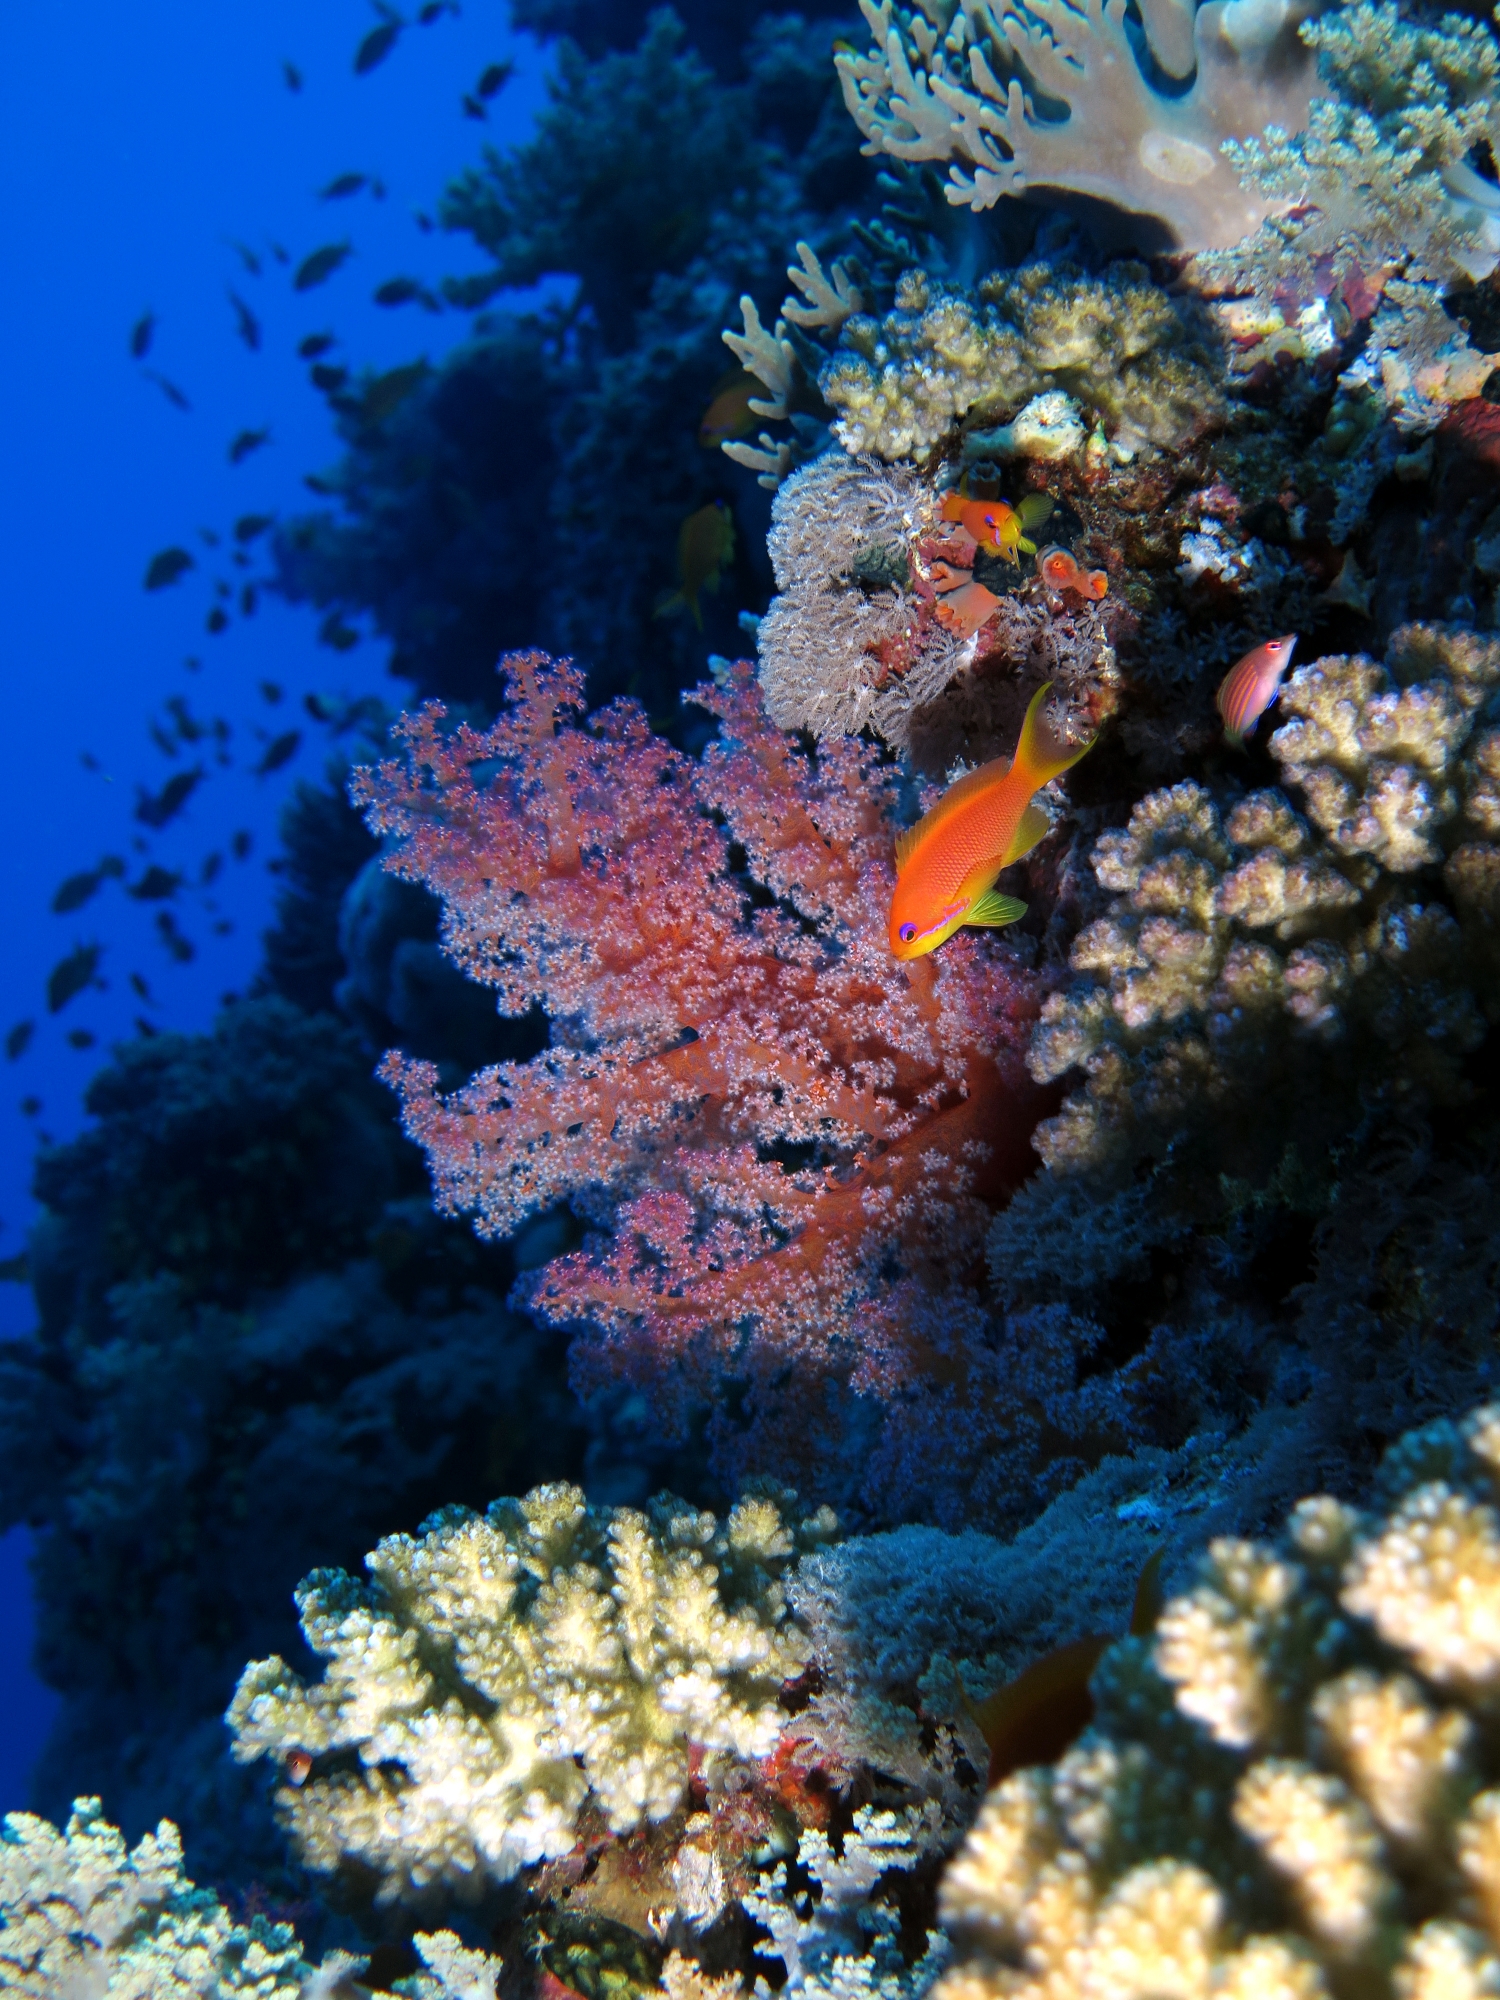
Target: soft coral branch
775, 1121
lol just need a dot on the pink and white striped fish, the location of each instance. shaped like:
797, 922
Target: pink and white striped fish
1249, 688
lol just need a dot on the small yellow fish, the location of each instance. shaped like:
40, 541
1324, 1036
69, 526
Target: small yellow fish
705, 542
729, 414
947, 863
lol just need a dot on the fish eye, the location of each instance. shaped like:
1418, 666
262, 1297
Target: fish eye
906, 933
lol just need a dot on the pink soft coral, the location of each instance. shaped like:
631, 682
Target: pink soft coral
775, 1122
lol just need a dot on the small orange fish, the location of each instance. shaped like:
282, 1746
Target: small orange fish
964, 610
991, 523
1059, 571
1045, 1709
947, 863
1249, 688
298, 1767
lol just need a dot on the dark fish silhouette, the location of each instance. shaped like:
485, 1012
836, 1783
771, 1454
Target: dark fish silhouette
334, 632
494, 79
329, 377
217, 620
280, 750
81, 1038
166, 566
140, 335
320, 266
249, 526
19, 1039
402, 291
159, 809
249, 599
180, 947
375, 47
272, 692
240, 844
292, 74
248, 441
188, 727
247, 326
472, 108
157, 885
142, 990
314, 345
247, 256
343, 187
71, 975
169, 389
79, 889
209, 872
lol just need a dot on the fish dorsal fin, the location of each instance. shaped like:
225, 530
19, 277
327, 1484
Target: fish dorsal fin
1034, 825
959, 794
993, 910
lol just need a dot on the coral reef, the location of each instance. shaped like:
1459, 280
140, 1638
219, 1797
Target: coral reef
1132, 356
501, 1670
255, 1340
529, 490
1065, 98
1378, 198
844, 644
79, 1913
1254, 951
1291, 1788
781, 1127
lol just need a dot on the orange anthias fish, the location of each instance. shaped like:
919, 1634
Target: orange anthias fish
1059, 571
1043, 1711
1248, 689
729, 414
947, 863
991, 523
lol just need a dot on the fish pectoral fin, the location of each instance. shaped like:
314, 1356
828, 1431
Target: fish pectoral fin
1033, 826
993, 910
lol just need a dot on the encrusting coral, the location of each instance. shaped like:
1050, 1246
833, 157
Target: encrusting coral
1291, 1790
1254, 950
500, 1670
1060, 96
781, 1125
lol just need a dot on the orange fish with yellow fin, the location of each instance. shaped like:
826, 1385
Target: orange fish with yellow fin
946, 865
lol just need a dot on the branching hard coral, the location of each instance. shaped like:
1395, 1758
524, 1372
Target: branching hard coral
1380, 190
844, 1943
500, 1670
1065, 97
1256, 949
775, 1119
81, 1915
1118, 345
1292, 1789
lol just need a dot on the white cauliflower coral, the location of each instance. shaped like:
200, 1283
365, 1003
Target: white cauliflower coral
499, 1670
1292, 1790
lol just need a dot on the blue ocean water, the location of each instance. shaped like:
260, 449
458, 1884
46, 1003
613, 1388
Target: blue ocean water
137, 151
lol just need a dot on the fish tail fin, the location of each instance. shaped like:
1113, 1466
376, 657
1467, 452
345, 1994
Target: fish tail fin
1042, 753
1234, 738
953, 505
